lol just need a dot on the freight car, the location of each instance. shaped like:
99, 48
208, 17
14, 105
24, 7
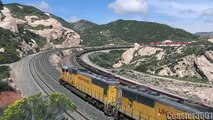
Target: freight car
126, 102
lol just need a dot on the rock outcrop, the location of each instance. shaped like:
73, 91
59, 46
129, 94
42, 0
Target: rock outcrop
188, 66
2, 50
27, 48
209, 55
137, 50
7, 21
192, 66
160, 55
147, 51
71, 39
52, 30
184, 68
127, 56
56, 35
205, 66
55, 59
210, 40
165, 72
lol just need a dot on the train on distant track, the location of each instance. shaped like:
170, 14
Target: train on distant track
126, 102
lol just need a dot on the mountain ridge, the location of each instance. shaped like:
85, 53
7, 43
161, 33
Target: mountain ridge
204, 34
132, 31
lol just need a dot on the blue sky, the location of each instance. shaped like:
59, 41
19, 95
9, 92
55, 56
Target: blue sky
191, 15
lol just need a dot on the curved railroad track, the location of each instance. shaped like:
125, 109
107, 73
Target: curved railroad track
46, 77
126, 81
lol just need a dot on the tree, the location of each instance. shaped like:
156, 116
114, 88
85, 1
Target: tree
1, 5
39, 107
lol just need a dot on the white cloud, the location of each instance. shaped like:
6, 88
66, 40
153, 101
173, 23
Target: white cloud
209, 21
191, 15
129, 6
193, 26
74, 19
178, 9
44, 6
207, 12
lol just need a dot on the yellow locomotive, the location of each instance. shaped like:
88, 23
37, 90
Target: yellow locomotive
98, 90
141, 104
125, 102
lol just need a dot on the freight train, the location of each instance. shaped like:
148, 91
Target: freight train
126, 102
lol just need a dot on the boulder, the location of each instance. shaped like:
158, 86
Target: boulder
147, 51
165, 71
210, 40
205, 66
117, 65
209, 55
160, 55
2, 50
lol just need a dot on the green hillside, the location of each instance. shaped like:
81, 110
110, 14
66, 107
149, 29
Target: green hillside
62, 21
12, 41
9, 42
131, 31
82, 25
20, 13
79, 26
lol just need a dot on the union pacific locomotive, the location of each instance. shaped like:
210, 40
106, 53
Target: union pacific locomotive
125, 102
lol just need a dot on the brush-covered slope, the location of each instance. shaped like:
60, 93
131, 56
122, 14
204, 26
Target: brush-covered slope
130, 31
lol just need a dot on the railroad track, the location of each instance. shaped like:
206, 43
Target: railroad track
125, 81
47, 90
46, 77
74, 62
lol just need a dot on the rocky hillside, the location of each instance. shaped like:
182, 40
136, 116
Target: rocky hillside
78, 26
26, 29
82, 25
130, 31
192, 62
204, 34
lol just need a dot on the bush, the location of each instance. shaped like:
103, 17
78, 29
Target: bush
106, 60
26, 11
10, 43
141, 68
39, 107
4, 73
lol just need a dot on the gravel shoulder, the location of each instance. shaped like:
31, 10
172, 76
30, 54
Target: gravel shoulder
22, 78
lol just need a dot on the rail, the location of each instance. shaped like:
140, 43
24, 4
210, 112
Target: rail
35, 66
124, 81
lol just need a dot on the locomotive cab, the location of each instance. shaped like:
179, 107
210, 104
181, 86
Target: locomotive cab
64, 74
64, 69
